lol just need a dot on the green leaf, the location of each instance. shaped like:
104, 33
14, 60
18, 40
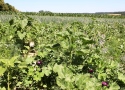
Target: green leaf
87, 41
24, 23
59, 69
27, 83
29, 60
80, 81
3, 88
9, 62
19, 83
5, 61
64, 45
42, 54
82, 52
27, 47
21, 35
114, 64
36, 78
102, 76
114, 86
46, 71
31, 71
61, 83
2, 70
12, 61
121, 77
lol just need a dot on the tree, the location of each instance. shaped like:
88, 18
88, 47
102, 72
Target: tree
6, 7
2, 1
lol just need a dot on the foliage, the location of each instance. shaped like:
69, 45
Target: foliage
6, 7
61, 56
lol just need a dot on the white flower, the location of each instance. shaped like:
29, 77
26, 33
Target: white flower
32, 44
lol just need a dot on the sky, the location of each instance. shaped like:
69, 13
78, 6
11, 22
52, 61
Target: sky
68, 6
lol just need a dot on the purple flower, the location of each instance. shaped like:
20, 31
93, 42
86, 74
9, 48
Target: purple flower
39, 62
104, 83
91, 70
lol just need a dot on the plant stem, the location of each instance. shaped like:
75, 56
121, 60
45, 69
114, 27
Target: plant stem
8, 83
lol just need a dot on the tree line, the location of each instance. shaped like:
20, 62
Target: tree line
7, 7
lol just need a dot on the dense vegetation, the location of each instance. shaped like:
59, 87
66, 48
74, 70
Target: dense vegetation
120, 12
71, 51
48, 13
72, 56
